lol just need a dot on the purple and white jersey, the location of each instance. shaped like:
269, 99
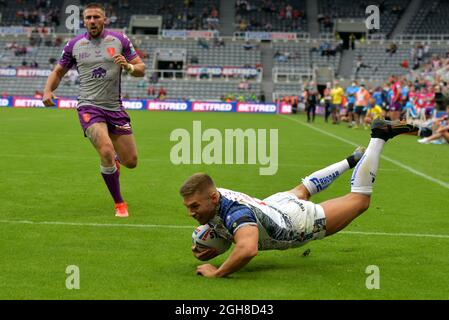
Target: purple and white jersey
100, 77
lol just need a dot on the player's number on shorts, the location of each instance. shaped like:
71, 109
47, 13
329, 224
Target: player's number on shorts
73, 280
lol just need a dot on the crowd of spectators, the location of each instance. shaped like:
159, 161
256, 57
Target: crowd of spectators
185, 17
42, 14
253, 17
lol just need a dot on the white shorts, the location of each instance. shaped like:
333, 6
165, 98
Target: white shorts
308, 219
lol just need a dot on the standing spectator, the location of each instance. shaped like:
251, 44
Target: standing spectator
311, 98
362, 99
351, 93
337, 95
352, 41
327, 102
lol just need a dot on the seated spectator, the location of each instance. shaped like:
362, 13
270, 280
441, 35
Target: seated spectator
244, 86
268, 27
243, 26
151, 92
38, 94
162, 93
113, 18
440, 133
34, 64
218, 42
194, 60
248, 46
12, 46
58, 41
405, 64
48, 42
203, 44
154, 78
51, 63
360, 64
392, 49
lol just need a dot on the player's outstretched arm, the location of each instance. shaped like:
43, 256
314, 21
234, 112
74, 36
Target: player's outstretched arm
52, 83
246, 247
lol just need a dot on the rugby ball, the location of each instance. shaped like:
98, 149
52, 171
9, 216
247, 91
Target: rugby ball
205, 237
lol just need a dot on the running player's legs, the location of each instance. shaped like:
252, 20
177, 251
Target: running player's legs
94, 123
99, 137
120, 131
125, 146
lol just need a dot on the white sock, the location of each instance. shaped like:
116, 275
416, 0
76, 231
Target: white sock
320, 180
108, 170
365, 172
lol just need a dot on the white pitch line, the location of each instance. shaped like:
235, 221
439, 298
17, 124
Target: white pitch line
167, 226
414, 235
399, 164
101, 225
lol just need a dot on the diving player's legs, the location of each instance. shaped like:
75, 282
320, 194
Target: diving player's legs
320, 180
99, 136
341, 211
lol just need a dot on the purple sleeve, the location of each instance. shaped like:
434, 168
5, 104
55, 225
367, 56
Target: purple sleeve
67, 60
128, 49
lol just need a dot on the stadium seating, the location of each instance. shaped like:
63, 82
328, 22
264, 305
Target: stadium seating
391, 11
430, 18
232, 54
257, 18
188, 89
305, 55
380, 64
175, 13
30, 13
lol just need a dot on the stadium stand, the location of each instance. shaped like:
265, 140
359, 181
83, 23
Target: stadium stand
307, 54
330, 10
268, 15
430, 18
176, 14
40, 13
374, 61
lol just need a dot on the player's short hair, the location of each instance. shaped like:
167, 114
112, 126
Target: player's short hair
199, 182
94, 5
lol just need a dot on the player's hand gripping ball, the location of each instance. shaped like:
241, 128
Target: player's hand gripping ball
205, 237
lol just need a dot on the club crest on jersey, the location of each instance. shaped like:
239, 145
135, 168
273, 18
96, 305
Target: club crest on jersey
86, 117
98, 73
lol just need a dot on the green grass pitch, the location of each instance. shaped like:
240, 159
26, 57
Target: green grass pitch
50, 178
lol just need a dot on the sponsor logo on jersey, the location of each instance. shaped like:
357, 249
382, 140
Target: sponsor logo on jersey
83, 55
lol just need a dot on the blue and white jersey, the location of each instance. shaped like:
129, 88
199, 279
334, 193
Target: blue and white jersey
283, 220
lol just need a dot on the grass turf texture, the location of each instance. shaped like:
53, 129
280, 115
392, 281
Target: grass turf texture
51, 173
